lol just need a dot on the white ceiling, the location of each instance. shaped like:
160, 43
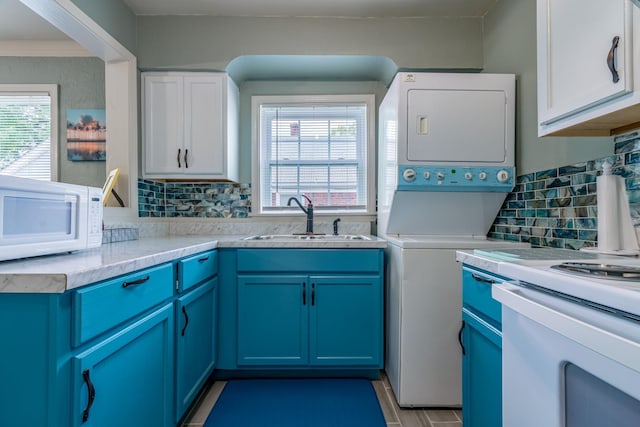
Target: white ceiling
18, 22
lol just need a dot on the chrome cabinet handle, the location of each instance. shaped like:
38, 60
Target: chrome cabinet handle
611, 57
135, 282
91, 393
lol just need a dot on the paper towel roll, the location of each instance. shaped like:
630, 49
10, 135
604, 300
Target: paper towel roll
608, 190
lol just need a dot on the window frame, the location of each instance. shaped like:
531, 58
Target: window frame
307, 100
52, 91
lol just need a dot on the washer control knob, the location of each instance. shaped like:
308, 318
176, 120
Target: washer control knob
409, 175
468, 176
427, 175
502, 176
440, 175
482, 175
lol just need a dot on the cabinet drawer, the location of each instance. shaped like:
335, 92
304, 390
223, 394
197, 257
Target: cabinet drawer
196, 269
98, 308
310, 260
476, 294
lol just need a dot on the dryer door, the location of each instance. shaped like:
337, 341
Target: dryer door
458, 126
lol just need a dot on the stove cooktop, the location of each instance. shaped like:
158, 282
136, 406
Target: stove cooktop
601, 271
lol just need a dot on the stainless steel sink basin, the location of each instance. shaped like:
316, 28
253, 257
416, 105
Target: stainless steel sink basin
295, 237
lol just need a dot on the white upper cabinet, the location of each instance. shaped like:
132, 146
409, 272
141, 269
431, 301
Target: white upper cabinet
190, 126
588, 71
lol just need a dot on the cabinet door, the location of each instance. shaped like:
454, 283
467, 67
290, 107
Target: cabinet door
196, 314
346, 324
127, 379
573, 74
203, 128
481, 373
272, 320
163, 124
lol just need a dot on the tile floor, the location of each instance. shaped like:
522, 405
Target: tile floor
393, 414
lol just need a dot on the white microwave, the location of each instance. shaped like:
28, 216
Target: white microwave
41, 218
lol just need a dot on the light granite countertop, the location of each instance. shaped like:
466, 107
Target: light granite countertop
493, 260
60, 273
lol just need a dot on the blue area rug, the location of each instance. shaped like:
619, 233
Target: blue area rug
297, 403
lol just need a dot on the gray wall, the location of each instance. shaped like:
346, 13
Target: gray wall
199, 42
80, 85
279, 50
503, 42
510, 47
115, 17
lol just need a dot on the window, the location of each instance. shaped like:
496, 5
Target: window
28, 131
321, 147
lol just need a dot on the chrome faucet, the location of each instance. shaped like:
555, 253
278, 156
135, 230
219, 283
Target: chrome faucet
308, 211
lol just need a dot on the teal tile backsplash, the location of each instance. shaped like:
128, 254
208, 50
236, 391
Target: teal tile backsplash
193, 199
558, 207
553, 207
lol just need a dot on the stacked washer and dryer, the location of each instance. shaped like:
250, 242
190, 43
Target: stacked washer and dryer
445, 164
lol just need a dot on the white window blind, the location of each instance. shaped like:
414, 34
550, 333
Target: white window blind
25, 135
319, 149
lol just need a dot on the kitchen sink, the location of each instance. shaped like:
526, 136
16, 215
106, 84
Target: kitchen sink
308, 237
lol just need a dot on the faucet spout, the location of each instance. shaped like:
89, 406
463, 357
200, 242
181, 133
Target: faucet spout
308, 211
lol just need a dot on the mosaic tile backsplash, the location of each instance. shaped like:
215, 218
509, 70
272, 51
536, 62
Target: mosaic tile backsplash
193, 199
557, 207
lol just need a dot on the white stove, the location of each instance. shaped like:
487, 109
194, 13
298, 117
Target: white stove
614, 292
571, 341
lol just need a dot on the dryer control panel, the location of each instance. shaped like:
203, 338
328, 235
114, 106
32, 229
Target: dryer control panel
456, 178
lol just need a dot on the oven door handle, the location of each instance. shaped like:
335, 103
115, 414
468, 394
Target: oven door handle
607, 334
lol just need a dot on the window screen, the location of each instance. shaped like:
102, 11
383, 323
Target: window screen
316, 149
25, 135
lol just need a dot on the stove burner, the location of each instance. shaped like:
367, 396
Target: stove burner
601, 271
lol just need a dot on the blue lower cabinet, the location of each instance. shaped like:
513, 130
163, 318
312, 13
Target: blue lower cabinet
272, 320
346, 327
196, 341
127, 379
128, 351
481, 373
481, 338
313, 321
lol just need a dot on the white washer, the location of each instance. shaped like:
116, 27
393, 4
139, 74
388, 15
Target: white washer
445, 166
424, 302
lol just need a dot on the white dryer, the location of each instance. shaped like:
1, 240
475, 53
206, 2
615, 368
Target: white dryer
446, 164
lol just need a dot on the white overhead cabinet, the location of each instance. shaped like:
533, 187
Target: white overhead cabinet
190, 126
588, 67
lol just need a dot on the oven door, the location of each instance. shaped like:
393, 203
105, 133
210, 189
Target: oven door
565, 363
